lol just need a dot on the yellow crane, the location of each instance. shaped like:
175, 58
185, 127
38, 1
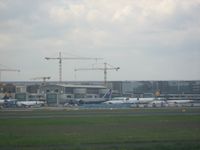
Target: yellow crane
105, 69
5, 70
60, 58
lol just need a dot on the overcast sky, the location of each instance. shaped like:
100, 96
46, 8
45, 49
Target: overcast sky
147, 39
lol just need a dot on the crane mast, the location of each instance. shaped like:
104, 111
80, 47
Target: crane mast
104, 69
60, 58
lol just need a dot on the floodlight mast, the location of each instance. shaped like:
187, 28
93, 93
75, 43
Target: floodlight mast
60, 58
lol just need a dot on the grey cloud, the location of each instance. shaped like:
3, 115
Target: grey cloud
126, 33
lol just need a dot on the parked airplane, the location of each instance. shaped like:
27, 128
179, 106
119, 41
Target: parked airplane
158, 103
119, 100
107, 96
2, 101
30, 103
179, 102
8, 102
127, 100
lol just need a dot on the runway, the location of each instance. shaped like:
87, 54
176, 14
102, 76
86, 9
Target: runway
56, 112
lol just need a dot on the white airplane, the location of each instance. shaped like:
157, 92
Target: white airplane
177, 102
145, 100
30, 103
127, 100
119, 100
107, 96
158, 103
2, 101
8, 102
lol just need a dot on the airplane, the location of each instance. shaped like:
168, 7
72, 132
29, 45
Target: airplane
2, 101
120, 100
145, 100
107, 96
30, 103
177, 102
167, 102
8, 102
158, 103
127, 100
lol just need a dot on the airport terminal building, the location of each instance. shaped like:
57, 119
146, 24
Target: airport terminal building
51, 91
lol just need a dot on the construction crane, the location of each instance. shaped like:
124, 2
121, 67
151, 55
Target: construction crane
105, 69
42, 78
5, 70
60, 58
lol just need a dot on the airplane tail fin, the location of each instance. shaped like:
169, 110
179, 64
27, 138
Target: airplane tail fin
108, 94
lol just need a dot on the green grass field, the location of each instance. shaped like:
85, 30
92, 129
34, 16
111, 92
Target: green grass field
100, 129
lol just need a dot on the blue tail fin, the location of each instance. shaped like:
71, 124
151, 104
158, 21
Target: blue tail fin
108, 94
